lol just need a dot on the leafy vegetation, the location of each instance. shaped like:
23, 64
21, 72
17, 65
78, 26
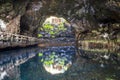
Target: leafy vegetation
51, 30
109, 79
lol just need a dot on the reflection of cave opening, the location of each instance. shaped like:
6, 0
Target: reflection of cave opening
57, 60
54, 27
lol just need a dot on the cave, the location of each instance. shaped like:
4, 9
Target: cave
59, 39
83, 16
80, 14
89, 20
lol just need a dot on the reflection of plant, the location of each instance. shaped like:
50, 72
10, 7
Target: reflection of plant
49, 59
57, 59
40, 54
54, 59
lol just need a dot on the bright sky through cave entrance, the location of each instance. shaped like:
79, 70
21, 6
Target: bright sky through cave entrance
54, 20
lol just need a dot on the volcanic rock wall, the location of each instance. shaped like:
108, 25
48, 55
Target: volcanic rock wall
84, 15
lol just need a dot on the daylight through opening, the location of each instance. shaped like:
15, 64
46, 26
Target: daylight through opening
54, 27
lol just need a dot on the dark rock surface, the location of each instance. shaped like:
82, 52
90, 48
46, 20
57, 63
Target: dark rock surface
82, 14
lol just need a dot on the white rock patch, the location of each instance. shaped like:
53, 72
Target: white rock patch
2, 25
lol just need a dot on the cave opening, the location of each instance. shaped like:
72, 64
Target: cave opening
55, 27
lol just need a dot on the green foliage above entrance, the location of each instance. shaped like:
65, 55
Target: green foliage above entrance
52, 29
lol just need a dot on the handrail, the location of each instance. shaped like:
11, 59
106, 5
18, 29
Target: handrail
16, 40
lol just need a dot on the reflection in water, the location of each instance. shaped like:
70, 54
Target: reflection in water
25, 64
2, 75
58, 60
10, 61
102, 55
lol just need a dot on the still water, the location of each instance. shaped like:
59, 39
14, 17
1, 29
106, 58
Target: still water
53, 63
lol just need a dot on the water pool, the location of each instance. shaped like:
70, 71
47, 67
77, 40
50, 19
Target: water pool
54, 63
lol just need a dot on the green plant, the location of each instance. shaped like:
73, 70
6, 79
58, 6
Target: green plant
52, 29
40, 35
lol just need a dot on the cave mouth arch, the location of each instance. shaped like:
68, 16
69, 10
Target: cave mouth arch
55, 27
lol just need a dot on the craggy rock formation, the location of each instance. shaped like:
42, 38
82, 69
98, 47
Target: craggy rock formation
13, 25
10, 14
30, 21
98, 17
